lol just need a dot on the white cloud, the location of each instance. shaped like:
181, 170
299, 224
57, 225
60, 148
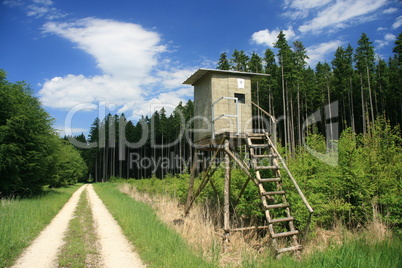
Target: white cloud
128, 56
306, 4
302, 8
320, 52
390, 37
267, 37
170, 79
39, 9
120, 49
397, 23
387, 39
390, 10
340, 14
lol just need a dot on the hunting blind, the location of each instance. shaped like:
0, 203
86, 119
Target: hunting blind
224, 123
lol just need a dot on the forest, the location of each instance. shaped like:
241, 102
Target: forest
365, 183
362, 88
362, 186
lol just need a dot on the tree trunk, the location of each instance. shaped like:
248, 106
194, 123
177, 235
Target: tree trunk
363, 110
371, 98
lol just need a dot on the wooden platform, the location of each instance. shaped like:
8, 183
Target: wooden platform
235, 140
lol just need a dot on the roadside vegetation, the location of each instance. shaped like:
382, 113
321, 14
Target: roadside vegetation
357, 205
21, 220
81, 248
373, 245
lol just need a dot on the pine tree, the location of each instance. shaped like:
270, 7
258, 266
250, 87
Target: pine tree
300, 57
223, 63
398, 49
285, 61
364, 58
239, 61
343, 72
272, 82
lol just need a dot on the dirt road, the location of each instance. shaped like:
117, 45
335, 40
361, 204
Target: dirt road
115, 250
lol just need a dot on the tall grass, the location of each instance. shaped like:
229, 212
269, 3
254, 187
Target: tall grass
21, 220
157, 244
373, 246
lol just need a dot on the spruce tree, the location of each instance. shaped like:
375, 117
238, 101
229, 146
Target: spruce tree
223, 63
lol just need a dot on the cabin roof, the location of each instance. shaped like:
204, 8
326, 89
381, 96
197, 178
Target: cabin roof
202, 72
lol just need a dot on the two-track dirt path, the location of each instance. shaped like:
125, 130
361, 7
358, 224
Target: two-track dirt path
115, 249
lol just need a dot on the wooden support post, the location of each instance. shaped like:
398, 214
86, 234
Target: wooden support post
191, 183
226, 193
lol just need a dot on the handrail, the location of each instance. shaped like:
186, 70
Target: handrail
273, 119
225, 115
306, 203
265, 112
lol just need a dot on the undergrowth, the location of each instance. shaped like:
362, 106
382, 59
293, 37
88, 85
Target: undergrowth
336, 247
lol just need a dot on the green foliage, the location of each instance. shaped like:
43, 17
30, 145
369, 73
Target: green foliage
69, 166
223, 63
365, 185
24, 134
31, 155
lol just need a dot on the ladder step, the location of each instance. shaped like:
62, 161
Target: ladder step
270, 180
248, 228
273, 193
252, 135
266, 167
285, 234
277, 206
294, 248
259, 145
281, 220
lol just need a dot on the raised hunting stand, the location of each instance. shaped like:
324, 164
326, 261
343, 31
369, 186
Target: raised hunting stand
223, 123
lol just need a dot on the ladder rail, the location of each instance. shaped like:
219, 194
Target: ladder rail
299, 191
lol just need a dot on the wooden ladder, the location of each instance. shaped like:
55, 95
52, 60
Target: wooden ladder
265, 164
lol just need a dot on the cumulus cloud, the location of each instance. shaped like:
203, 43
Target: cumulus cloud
384, 42
340, 14
267, 37
128, 57
321, 51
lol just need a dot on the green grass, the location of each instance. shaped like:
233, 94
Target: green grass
355, 253
80, 239
156, 243
21, 220
359, 253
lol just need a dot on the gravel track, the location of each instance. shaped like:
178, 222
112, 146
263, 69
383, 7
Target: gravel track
115, 249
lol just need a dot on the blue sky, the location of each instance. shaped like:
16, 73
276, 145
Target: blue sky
87, 58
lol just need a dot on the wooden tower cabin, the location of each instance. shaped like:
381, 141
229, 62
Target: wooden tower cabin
226, 127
